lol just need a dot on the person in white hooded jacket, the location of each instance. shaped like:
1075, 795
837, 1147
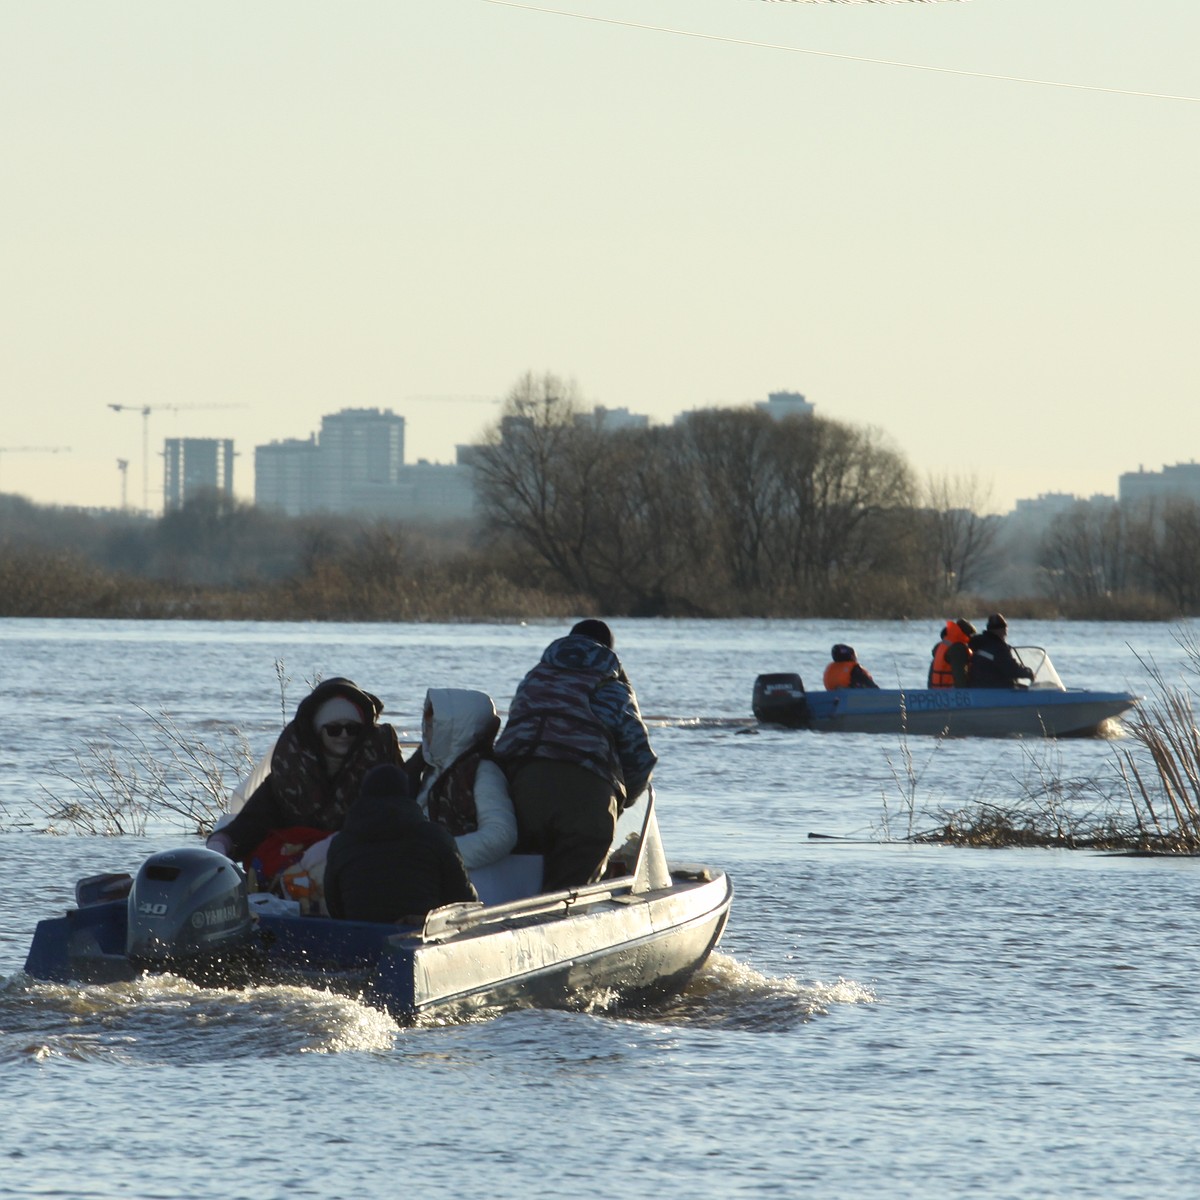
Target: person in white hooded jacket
460, 787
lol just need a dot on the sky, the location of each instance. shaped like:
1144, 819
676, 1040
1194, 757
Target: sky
970, 226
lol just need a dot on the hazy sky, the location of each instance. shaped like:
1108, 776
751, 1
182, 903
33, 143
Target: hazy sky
288, 207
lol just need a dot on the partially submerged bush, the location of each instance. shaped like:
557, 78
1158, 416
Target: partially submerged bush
165, 773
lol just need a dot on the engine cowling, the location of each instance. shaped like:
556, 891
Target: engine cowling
187, 905
779, 700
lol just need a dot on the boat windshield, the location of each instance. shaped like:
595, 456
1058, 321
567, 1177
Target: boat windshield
630, 824
1045, 677
636, 846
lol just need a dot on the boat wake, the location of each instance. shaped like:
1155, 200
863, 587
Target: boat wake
727, 994
162, 1018
669, 722
165, 1019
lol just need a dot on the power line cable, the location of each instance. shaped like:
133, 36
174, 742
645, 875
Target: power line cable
881, 62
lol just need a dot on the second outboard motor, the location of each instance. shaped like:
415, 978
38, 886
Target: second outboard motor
187, 907
780, 700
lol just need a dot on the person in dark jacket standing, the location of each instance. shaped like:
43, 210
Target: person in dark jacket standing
576, 752
389, 863
993, 663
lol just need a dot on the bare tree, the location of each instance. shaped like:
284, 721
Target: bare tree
729, 456
1164, 541
652, 548
836, 483
1085, 553
962, 537
539, 473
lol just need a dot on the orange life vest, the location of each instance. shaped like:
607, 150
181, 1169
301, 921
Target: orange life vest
837, 675
940, 673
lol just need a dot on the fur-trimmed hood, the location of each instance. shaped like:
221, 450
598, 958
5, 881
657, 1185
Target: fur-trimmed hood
463, 721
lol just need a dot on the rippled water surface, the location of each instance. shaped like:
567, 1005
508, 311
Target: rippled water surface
881, 1018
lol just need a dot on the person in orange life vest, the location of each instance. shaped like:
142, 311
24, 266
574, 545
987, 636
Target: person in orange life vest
937, 676
952, 655
845, 670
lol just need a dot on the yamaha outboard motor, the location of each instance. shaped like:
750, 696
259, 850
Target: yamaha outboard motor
780, 700
187, 908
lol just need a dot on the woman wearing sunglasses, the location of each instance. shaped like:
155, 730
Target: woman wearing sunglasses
317, 768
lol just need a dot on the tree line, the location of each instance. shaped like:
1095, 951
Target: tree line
731, 512
1097, 558
728, 512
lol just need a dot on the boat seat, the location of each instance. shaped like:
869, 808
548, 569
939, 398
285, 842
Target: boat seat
512, 878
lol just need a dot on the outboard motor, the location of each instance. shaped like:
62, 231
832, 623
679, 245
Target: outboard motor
187, 907
780, 700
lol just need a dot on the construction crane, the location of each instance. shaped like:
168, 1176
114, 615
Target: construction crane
146, 410
34, 450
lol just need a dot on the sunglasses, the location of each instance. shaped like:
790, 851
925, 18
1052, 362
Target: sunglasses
337, 728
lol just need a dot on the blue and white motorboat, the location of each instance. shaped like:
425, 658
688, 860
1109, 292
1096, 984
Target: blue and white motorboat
637, 936
1044, 708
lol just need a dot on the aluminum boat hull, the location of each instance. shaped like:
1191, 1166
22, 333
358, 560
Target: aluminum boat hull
597, 948
619, 942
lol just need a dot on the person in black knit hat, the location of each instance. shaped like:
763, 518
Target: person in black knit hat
993, 663
389, 863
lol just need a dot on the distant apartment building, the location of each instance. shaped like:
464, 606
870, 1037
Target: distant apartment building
285, 475
1030, 520
1044, 508
1181, 481
355, 465
785, 404
609, 419
195, 465
360, 448
777, 405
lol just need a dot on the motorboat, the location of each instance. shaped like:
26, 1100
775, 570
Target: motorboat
1043, 708
636, 936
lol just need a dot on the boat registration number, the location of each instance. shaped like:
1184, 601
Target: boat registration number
938, 698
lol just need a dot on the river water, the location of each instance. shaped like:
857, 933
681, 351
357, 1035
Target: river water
881, 1018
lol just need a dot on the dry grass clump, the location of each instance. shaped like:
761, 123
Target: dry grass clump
1166, 799
992, 826
163, 772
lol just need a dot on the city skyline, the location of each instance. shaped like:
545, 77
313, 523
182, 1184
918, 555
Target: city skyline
210, 463
956, 223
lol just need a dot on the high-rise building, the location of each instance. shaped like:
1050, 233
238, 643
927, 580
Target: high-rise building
285, 475
360, 448
610, 419
193, 465
356, 465
786, 404
1181, 481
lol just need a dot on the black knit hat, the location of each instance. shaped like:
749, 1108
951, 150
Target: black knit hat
997, 621
387, 781
595, 629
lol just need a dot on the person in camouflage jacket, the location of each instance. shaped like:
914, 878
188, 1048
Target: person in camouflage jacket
576, 752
